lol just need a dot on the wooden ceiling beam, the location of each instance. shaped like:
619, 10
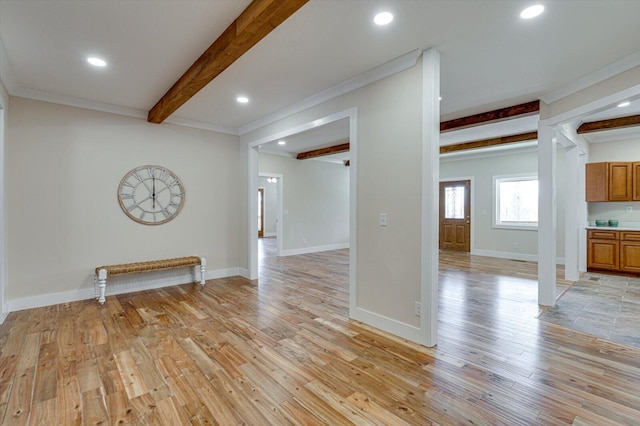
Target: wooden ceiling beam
495, 115
612, 123
489, 142
344, 147
253, 24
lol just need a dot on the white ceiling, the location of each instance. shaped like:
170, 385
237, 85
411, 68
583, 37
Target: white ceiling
489, 57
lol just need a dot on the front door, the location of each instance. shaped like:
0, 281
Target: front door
455, 215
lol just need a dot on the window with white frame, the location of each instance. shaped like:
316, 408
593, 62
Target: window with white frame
516, 202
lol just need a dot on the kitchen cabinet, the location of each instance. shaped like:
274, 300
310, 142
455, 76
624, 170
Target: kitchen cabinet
613, 181
613, 250
630, 252
603, 250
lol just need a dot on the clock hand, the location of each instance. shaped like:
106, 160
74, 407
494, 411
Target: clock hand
153, 193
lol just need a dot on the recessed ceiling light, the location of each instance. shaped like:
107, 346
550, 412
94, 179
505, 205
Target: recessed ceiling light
97, 62
242, 99
532, 11
282, 143
624, 104
383, 18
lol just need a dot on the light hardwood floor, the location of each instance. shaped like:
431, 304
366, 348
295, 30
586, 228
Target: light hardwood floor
282, 351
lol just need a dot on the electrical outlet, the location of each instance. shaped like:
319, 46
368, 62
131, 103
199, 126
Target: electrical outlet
516, 246
383, 219
629, 209
417, 309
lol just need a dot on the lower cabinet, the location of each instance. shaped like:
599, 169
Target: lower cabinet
613, 250
630, 251
603, 254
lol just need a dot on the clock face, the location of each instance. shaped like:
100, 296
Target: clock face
151, 195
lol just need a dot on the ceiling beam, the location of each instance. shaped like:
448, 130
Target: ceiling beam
489, 142
496, 115
344, 147
253, 24
612, 123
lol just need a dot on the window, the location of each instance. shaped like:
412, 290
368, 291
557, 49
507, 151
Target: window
516, 202
454, 202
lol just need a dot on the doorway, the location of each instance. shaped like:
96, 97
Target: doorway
260, 212
455, 215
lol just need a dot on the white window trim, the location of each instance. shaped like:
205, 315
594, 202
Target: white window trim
496, 208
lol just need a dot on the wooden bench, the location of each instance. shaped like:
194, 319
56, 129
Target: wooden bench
100, 278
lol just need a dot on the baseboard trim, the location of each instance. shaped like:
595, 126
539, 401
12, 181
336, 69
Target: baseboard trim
117, 285
244, 273
513, 256
307, 250
398, 328
5, 313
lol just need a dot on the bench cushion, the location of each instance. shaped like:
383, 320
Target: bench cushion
152, 265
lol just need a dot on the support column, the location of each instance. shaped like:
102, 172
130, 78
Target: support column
430, 194
546, 215
253, 213
582, 213
572, 223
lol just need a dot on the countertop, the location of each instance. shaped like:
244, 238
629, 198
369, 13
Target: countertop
614, 228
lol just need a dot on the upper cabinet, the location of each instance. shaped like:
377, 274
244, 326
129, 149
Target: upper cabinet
619, 181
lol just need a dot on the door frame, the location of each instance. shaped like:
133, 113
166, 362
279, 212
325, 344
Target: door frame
252, 156
472, 204
279, 209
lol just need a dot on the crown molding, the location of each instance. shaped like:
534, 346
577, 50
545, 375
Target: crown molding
611, 70
6, 73
40, 95
490, 152
390, 68
201, 125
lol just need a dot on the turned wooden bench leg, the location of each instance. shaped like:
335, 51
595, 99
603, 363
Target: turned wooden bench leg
102, 285
203, 270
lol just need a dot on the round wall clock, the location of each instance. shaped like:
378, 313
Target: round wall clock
151, 195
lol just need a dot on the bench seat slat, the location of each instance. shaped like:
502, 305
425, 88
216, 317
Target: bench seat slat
152, 265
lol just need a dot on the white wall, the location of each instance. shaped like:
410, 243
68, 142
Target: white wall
627, 150
64, 165
270, 206
489, 241
316, 200
389, 173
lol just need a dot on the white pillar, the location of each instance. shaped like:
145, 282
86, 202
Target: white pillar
546, 215
253, 213
572, 222
582, 213
430, 194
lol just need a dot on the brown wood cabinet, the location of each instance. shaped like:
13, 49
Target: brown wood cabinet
603, 250
613, 181
613, 250
635, 181
630, 251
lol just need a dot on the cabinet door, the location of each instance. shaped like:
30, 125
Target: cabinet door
635, 179
619, 182
603, 254
630, 256
596, 181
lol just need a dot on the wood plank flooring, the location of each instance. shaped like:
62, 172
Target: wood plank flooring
282, 351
